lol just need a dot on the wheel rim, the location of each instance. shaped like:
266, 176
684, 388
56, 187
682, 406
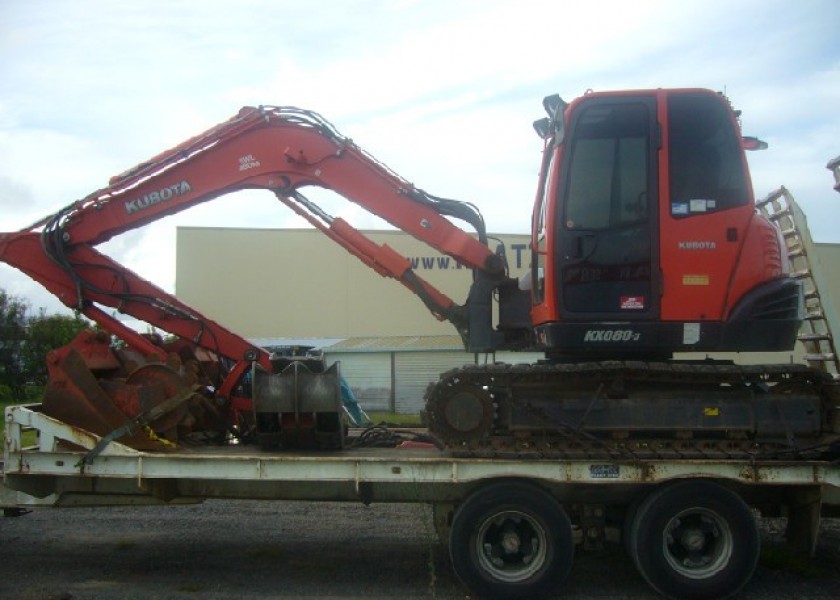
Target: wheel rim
697, 543
511, 546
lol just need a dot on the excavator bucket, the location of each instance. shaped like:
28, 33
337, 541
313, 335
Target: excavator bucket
110, 393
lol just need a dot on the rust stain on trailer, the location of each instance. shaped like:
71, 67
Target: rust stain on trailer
648, 472
748, 473
82, 438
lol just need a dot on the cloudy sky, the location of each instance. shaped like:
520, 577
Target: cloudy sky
443, 91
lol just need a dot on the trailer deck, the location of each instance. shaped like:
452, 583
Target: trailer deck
54, 471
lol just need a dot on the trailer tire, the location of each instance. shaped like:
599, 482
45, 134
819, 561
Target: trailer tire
695, 540
627, 525
511, 540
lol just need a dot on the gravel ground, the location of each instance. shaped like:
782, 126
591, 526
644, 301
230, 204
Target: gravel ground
236, 550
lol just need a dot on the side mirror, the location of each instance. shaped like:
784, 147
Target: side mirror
553, 104
753, 143
542, 127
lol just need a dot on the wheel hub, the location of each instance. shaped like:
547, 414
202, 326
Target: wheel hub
511, 542
697, 543
513, 546
693, 540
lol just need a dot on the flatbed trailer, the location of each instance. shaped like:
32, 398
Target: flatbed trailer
512, 525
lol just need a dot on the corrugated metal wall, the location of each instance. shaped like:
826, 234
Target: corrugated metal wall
369, 376
415, 370
396, 381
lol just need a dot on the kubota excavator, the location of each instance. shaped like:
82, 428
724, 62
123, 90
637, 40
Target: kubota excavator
645, 242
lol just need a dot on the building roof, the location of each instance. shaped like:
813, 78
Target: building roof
316, 343
430, 343
415, 343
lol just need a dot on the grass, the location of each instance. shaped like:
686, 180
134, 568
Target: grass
3, 406
29, 438
401, 420
32, 394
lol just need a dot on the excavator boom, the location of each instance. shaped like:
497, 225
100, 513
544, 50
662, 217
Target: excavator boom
273, 148
279, 149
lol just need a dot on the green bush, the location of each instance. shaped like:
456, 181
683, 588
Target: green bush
32, 393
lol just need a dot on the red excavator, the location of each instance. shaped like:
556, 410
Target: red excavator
645, 242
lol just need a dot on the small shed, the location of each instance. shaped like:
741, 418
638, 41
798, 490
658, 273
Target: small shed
392, 373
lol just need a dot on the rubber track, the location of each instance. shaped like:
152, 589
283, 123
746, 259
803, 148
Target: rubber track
562, 441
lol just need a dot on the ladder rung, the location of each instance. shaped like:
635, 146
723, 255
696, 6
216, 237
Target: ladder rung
814, 337
828, 357
785, 212
774, 195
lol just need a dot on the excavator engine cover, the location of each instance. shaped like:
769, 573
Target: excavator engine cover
299, 407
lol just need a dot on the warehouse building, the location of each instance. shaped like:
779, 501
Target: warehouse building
291, 287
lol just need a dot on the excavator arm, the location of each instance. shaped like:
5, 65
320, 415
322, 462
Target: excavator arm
279, 149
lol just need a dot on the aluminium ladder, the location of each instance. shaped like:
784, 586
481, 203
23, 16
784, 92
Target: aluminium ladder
820, 317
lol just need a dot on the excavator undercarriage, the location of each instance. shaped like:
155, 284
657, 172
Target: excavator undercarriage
618, 409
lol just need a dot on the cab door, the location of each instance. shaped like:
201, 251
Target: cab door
607, 261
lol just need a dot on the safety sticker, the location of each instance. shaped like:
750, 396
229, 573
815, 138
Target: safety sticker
697, 206
632, 302
679, 208
695, 280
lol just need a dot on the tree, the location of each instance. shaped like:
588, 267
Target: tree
12, 336
25, 342
45, 333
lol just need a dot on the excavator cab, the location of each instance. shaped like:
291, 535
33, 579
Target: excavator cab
645, 236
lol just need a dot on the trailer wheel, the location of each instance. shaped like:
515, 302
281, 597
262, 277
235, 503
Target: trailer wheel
511, 540
627, 525
695, 540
